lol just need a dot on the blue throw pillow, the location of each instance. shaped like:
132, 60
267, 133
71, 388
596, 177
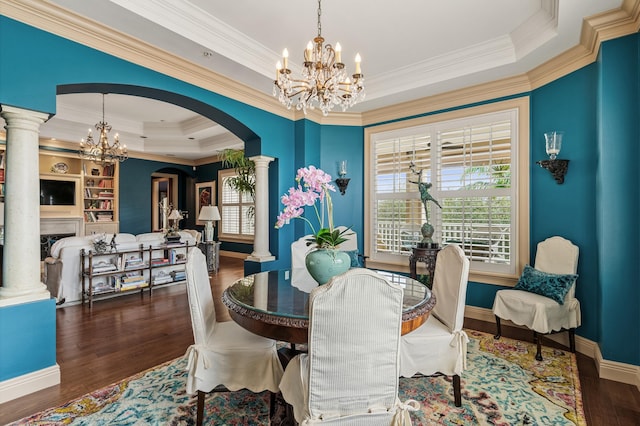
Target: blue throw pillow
355, 258
553, 286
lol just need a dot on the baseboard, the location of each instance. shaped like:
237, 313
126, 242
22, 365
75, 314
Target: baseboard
617, 371
610, 370
29, 383
235, 254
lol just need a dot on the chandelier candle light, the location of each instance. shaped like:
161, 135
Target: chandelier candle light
102, 151
324, 81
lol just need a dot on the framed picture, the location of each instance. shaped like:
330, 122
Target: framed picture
205, 196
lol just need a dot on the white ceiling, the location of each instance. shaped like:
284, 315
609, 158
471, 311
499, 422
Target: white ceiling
410, 49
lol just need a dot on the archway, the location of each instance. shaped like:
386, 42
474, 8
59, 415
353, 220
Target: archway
252, 142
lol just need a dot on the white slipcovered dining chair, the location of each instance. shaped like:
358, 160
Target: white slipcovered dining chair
440, 344
350, 373
556, 263
225, 356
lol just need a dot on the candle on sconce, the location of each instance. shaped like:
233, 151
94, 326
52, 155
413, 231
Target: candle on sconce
338, 53
358, 60
553, 143
343, 168
285, 58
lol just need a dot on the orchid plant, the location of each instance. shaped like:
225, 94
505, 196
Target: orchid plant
313, 185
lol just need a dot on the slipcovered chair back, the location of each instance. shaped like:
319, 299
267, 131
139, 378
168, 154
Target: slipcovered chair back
203, 313
354, 336
557, 255
450, 286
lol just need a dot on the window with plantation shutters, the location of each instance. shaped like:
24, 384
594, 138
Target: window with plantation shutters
472, 165
236, 211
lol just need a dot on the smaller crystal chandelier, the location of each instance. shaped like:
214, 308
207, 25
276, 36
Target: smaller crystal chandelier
324, 81
103, 152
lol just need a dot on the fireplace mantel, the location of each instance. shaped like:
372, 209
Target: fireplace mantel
62, 225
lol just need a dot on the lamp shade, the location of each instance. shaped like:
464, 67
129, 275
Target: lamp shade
175, 215
208, 213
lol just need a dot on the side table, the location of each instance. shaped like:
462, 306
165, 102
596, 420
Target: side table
426, 255
211, 250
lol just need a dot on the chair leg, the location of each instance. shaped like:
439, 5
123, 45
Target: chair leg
200, 409
499, 328
536, 339
457, 393
272, 404
572, 340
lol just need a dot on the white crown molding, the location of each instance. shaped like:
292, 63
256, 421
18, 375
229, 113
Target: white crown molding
537, 30
197, 25
466, 96
595, 30
480, 57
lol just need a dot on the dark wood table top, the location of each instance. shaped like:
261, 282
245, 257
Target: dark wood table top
275, 304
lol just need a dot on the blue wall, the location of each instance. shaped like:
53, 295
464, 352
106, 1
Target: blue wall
346, 143
596, 207
135, 192
618, 199
27, 338
569, 104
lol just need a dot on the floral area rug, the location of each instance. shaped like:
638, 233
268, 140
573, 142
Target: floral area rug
503, 385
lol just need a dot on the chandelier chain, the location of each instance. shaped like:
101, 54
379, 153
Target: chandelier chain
319, 16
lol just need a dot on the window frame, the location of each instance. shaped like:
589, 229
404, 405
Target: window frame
239, 238
520, 233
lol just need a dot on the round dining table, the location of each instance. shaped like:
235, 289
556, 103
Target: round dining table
275, 304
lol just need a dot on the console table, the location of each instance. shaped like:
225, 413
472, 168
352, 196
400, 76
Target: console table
426, 255
211, 250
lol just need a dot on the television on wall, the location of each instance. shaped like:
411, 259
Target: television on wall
57, 192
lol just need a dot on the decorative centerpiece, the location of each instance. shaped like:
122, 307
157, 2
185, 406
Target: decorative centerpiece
100, 244
314, 185
427, 229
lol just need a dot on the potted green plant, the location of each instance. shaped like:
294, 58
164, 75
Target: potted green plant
245, 180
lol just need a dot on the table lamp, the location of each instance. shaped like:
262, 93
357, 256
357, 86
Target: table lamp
172, 235
176, 216
208, 214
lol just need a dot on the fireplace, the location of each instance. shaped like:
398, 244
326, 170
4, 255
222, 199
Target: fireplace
53, 229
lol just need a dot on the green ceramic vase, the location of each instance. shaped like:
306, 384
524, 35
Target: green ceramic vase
323, 264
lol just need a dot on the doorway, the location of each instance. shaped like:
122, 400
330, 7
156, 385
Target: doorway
164, 198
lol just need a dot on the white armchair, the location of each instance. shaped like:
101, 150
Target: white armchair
350, 374
555, 268
440, 344
224, 353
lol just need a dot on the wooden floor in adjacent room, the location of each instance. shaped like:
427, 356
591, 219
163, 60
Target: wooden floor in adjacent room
125, 335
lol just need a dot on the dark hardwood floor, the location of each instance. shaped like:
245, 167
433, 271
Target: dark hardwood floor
125, 335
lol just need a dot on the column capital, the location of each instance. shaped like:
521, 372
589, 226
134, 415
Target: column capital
261, 159
10, 114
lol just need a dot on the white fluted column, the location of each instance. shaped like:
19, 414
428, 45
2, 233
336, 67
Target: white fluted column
21, 261
261, 251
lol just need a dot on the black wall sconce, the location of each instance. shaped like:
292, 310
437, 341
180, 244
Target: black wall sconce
342, 181
557, 167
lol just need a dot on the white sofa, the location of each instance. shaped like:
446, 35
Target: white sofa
62, 271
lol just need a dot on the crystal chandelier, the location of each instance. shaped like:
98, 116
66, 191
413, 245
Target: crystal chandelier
324, 83
102, 152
